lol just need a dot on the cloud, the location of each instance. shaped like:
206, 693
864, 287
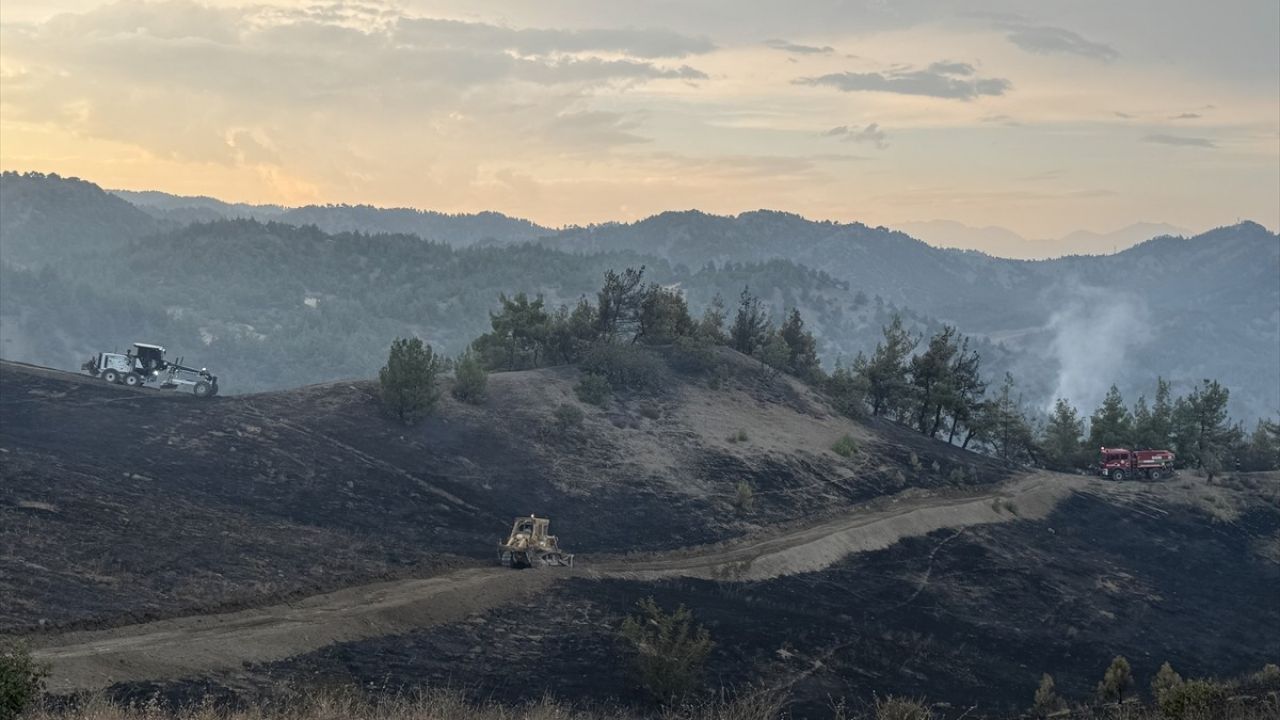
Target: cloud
591, 129
1047, 40
871, 134
647, 43
1180, 141
1186, 116
1122, 115
799, 49
948, 80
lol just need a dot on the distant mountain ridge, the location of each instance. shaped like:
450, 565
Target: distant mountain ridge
461, 230
1182, 308
1003, 242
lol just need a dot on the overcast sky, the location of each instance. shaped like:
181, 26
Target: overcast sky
1042, 117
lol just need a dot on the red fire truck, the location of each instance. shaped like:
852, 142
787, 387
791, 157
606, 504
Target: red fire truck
1120, 464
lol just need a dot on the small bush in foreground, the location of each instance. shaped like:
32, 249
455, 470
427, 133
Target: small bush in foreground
739, 436
845, 447
626, 367
744, 498
567, 417
21, 680
593, 389
470, 380
671, 652
1192, 699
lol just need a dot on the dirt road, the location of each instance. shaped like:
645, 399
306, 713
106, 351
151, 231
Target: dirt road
193, 645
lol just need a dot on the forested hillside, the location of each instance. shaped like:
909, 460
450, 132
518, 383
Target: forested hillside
84, 270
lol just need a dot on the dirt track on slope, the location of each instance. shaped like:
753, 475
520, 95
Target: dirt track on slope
193, 645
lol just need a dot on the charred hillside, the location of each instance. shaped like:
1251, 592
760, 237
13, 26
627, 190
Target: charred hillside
121, 505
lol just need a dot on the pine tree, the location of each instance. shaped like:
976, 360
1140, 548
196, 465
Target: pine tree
931, 379
967, 387
802, 348
408, 380
1046, 699
1062, 437
1111, 425
1006, 427
619, 303
886, 371
711, 326
1203, 432
1165, 680
751, 326
1151, 429
1116, 681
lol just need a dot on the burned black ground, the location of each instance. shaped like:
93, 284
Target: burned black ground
963, 618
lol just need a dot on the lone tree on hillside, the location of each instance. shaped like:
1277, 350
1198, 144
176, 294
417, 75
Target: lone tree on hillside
408, 380
1116, 681
671, 651
470, 380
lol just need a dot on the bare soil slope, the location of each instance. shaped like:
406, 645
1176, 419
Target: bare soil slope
125, 505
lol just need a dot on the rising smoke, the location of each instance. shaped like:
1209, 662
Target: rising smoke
1093, 331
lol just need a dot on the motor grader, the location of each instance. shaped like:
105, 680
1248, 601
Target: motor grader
531, 545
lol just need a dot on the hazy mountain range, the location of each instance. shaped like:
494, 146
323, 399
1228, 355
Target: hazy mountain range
1003, 242
310, 294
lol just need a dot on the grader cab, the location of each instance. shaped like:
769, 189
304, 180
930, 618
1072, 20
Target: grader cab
531, 545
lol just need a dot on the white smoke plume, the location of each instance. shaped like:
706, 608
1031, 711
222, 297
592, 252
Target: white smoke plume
1094, 329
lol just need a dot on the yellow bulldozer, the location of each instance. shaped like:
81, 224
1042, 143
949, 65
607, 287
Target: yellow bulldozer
530, 545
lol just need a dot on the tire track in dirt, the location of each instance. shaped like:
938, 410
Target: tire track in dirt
182, 647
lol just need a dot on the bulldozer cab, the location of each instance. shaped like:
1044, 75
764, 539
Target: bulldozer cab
533, 529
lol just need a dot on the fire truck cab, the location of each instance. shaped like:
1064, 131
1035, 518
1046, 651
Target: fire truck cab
1122, 464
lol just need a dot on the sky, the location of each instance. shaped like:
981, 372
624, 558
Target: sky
1044, 118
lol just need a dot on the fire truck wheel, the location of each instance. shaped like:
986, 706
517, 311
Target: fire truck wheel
1117, 475
1156, 474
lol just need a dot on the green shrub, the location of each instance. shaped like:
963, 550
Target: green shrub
1166, 679
470, 380
744, 498
916, 465
1192, 699
593, 389
21, 680
671, 652
407, 382
626, 367
693, 354
737, 437
1268, 677
651, 411
567, 417
1046, 698
845, 447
